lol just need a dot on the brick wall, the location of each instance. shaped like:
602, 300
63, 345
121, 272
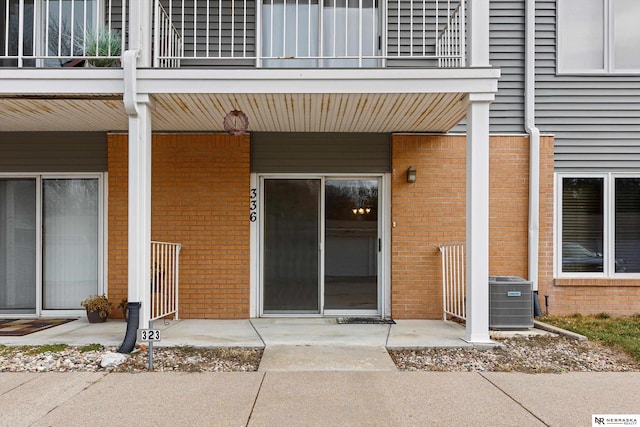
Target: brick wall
200, 199
568, 296
431, 212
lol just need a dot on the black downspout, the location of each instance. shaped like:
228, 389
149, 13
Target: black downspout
537, 312
132, 328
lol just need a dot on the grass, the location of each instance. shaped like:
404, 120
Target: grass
621, 332
90, 347
31, 349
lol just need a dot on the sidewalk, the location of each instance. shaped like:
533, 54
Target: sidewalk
314, 372
314, 399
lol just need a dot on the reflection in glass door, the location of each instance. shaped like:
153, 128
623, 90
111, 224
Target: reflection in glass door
17, 246
320, 246
351, 244
291, 246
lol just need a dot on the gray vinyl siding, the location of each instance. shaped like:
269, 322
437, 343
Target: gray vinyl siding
595, 119
419, 26
116, 14
208, 24
274, 152
53, 152
506, 52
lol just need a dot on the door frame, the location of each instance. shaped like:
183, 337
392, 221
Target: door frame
102, 238
257, 241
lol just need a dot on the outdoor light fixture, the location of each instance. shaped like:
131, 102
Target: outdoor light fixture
235, 122
361, 211
411, 174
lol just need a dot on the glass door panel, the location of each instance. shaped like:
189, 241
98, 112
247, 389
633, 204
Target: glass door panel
17, 246
70, 242
68, 30
291, 246
351, 245
11, 20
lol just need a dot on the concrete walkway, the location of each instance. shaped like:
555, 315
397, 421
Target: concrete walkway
290, 344
314, 399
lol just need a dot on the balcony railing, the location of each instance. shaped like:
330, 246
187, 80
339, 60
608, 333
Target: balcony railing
240, 33
55, 33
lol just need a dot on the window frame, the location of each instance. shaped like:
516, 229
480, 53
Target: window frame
608, 45
609, 226
102, 235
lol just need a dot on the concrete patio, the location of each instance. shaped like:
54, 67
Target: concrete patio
259, 333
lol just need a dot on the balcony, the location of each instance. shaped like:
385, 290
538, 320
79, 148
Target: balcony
238, 33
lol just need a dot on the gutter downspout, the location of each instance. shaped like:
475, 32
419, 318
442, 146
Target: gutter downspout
129, 59
534, 140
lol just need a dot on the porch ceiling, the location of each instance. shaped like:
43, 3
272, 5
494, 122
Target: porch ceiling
282, 100
267, 112
302, 112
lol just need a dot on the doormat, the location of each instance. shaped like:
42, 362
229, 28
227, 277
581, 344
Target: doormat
364, 321
20, 327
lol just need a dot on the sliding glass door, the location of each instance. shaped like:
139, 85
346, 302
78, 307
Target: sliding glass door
321, 246
50, 243
70, 242
351, 244
17, 246
320, 33
291, 262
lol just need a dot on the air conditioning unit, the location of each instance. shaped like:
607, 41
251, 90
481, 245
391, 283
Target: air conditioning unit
510, 303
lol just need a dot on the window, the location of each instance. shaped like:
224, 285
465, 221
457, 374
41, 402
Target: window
598, 36
598, 225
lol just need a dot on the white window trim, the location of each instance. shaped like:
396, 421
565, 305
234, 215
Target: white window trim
608, 226
102, 233
608, 43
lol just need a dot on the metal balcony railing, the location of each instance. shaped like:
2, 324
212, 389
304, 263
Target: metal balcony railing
318, 33
62, 33
238, 33
454, 290
165, 266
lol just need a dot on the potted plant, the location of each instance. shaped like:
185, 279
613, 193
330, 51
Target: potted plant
104, 42
98, 308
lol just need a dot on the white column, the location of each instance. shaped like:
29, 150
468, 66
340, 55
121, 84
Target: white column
140, 15
140, 207
478, 34
477, 241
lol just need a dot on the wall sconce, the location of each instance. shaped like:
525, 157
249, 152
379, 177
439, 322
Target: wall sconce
411, 174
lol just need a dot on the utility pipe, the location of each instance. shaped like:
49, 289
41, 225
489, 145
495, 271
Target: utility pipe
534, 140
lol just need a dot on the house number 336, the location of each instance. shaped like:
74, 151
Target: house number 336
253, 205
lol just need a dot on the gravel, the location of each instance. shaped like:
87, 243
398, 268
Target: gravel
540, 354
182, 359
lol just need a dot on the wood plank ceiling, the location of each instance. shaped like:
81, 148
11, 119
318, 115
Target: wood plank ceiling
394, 112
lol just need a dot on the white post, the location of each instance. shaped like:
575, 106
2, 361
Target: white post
138, 107
477, 277
140, 207
140, 15
478, 35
